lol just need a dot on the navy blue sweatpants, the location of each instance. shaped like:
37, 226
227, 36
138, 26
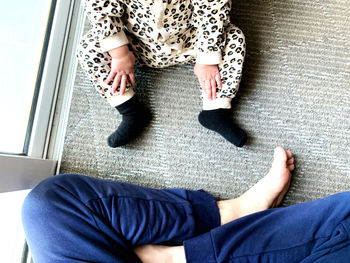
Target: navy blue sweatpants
74, 218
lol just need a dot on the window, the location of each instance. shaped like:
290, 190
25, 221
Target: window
23, 27
34, 45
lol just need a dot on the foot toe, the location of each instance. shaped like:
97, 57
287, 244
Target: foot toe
240, 142
291, 167
290, 161
280, 154
114, 140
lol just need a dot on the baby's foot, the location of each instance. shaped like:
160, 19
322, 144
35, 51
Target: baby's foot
135, 117
265, 194
219, 121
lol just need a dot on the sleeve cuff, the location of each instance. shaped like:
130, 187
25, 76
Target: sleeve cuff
210, 58
205, 211
114, 41
200, 249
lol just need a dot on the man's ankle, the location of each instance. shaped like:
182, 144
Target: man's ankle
178, 254
229, 210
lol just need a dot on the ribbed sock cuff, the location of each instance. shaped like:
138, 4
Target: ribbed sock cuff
206, 211
200, 249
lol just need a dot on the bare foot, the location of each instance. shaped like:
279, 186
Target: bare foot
265, 194
160, 254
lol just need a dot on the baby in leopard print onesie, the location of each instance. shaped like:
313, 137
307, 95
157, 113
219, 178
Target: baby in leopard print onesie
161, 33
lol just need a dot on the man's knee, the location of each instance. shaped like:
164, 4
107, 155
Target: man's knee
42, 200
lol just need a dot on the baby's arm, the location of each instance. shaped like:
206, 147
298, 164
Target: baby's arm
210, 19
105, 17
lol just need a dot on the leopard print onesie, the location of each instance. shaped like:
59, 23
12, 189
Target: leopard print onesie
163, 33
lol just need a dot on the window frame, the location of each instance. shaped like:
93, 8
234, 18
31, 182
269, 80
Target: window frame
50, 81
50, 109
23, 171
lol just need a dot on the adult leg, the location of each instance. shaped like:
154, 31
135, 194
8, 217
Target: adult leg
316, 231
267, 193
96, 65
216, 113
313, 232
75, 218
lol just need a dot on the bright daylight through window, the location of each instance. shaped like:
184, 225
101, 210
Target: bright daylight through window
22, 25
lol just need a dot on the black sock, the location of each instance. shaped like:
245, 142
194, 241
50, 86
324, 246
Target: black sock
219, 121
135, 117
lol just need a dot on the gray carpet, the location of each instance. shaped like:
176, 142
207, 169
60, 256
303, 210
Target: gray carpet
295, 92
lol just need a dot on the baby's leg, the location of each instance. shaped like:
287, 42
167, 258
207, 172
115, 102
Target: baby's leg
216, 113
96, 65
230, 69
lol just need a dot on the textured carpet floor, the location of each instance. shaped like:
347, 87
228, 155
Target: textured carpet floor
295, 92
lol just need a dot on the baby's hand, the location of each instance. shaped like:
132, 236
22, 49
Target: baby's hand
209, 78
122, 69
